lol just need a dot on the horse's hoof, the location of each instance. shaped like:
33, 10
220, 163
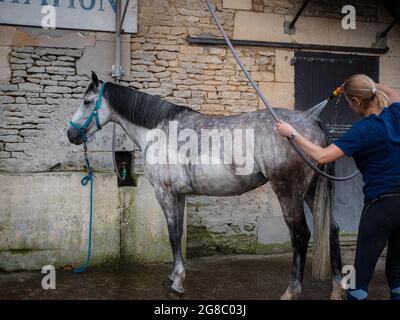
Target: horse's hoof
291, 295
167, 284
172, 295
337, 291
178, 291
337, 294
172, 292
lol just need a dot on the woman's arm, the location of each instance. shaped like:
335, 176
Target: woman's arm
318, 153
393, 95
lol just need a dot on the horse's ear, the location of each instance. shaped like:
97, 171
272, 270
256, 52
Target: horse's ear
95, 79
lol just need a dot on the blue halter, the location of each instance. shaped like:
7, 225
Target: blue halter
94, 114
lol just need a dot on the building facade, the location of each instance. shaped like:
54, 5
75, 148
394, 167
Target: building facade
44, 73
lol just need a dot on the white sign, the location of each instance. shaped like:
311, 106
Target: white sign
96, 15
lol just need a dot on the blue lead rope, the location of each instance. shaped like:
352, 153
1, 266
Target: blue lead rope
84, 182
89, 176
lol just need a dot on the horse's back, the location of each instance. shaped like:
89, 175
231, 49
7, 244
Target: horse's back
260, 151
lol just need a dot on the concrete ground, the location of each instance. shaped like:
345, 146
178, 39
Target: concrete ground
217, 277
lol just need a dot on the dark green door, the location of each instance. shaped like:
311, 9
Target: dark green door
316, 76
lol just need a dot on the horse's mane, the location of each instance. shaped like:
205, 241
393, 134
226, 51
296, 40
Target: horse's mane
138, 107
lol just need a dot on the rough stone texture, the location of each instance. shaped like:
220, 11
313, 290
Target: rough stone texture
26, 36
284, 71
238, 4
208, 79
204, 78
100, 57
144, 230
35, 107
44, 219
280, 94
5, 73
231, 224
43, 75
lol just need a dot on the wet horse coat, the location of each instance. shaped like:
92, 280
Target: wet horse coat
274, 161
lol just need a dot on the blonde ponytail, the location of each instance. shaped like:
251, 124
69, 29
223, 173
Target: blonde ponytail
362, 87
381, 98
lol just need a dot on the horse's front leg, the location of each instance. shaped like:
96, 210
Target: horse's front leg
300, 235
174, 207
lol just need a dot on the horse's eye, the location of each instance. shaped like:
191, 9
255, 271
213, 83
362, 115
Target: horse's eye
86, 102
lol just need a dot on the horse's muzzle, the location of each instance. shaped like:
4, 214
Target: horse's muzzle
74, 136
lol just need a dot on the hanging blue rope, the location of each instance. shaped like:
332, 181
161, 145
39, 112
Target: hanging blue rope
84, 182
89, 176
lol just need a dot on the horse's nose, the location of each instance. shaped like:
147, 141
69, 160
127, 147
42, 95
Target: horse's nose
69, 134
73, 135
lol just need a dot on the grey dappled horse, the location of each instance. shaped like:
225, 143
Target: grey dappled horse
273, 160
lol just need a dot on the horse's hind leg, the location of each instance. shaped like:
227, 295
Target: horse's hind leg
173, 207
293, 214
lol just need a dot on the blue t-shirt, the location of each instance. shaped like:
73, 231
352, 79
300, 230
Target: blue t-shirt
374, 144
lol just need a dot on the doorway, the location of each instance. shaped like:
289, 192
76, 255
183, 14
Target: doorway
317, 74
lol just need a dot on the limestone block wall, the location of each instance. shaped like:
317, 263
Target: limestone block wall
144, 233
43, 77
43, 74
205, 78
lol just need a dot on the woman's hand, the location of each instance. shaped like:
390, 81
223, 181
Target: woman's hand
318, 153
284, 129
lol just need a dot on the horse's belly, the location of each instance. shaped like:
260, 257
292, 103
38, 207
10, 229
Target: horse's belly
218, 180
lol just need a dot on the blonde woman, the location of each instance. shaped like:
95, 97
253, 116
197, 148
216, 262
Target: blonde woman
374, 144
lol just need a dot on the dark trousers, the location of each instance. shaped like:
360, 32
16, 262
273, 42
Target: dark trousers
379, 224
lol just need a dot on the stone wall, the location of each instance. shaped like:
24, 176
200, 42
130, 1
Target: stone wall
41, 78
208, 79
205, 78
249, 223
37, 102
44, 73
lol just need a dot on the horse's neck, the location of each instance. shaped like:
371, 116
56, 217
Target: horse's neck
135, 132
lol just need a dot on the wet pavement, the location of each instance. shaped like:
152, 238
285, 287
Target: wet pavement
227, 277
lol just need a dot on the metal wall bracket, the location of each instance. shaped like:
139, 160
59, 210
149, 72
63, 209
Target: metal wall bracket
287, 29
383, 35
297, 16
285, 45
117, 71
380, 42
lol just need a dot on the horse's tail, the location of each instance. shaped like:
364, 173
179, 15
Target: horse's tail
322, 207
